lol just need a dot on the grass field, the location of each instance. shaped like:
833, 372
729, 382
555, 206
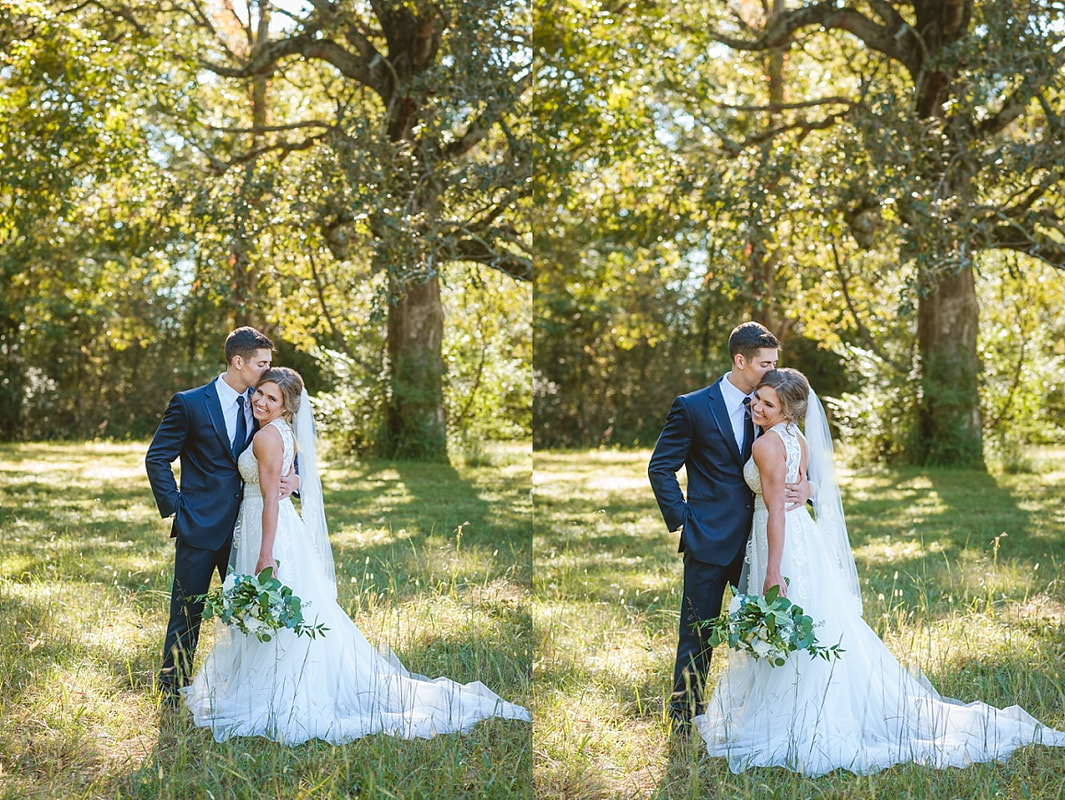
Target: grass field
433, 561
960, 575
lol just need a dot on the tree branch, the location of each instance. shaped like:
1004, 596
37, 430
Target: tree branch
479, 128
862, 330
830, 16
320, 291
804, 126
218, 166
1030, 87
776, 108
471, 247
368, 67
1012, 235
260, 129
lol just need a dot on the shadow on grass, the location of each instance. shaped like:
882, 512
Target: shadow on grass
78, 521
419, 507
926, 541
492, 760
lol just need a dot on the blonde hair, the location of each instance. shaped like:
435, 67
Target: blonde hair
291, 385
793, 390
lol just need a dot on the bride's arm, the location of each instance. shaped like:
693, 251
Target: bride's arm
269, 452
771, 460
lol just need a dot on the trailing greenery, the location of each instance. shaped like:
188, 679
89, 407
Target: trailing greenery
432, 561
960, 576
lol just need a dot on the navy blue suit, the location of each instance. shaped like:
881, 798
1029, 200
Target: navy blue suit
204, 508
714, 522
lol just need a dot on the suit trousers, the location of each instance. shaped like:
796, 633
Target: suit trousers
704, 589
193, 569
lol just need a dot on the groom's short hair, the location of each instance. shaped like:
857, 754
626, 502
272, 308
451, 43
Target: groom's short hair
244, 342
750, 337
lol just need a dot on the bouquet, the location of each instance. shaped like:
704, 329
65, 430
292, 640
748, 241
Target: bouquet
770, 627
258, 604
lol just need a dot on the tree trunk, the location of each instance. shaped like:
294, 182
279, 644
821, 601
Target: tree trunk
415, 420
12, 380
949, 427
415, 417
242, 245
762, 262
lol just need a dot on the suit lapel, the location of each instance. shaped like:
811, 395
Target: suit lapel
218, 421
721, 417
253, 431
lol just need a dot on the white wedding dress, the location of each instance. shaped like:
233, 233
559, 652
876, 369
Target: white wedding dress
337, 687
862, 712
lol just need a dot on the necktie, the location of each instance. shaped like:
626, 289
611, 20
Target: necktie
241, 436
748, 428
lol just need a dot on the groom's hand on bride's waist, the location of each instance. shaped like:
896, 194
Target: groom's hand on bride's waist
797, 494
290, 484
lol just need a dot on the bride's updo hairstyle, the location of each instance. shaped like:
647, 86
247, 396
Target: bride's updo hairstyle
793, 390
291, 385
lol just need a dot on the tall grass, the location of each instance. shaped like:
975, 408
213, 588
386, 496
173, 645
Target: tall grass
432, 561
960, 576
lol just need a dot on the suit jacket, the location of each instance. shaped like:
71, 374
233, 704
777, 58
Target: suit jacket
205, 507
715, 520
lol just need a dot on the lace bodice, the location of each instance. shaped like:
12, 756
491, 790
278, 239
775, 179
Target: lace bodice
249, 465
757, 556
788, 434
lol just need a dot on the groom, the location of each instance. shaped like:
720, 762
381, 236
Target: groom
709, 432
207, 428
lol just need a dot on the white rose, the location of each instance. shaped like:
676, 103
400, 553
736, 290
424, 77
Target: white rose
734, 606
229, 582
762, 649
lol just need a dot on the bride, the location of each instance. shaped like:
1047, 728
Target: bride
291, 688
864, 711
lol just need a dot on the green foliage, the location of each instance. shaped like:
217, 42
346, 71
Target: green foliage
351, 414
977, 612
487, 357
86, 290
258, 604
770, 627
85, 573
812, 181
161, 195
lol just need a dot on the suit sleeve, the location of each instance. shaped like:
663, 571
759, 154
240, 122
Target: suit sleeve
166, 446
670, 453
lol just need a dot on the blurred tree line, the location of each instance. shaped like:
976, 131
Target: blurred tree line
878, 183
351, 178
369, 183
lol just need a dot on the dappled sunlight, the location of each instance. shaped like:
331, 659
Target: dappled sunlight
889, 551
431, 561
978, 612
617, 483
357, 535
90, 615
463, 635
601, 685
70, 718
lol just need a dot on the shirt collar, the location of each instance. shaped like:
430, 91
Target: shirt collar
227, 395
733, 397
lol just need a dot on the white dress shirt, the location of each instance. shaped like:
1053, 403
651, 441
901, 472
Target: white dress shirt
734, 403
227, 396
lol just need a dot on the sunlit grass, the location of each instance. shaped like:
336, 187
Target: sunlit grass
959, 575
432, 561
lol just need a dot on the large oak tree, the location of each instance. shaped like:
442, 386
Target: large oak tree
414, 117
953, 147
